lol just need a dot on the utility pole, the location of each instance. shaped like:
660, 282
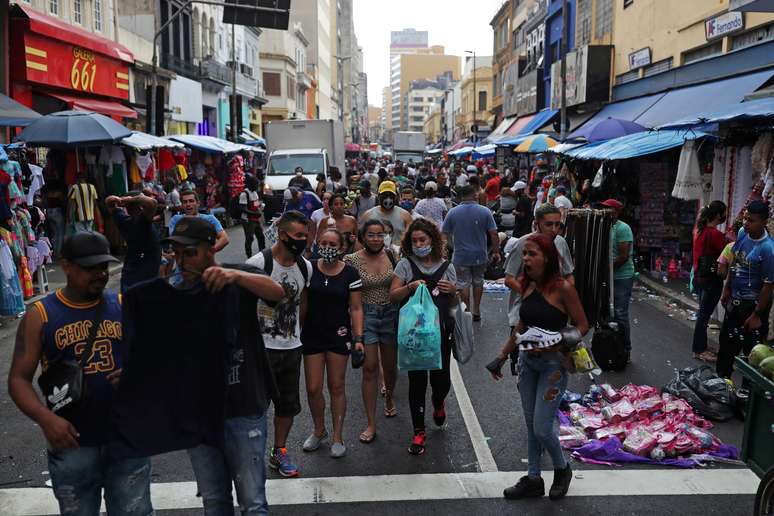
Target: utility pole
232, 101
565, 37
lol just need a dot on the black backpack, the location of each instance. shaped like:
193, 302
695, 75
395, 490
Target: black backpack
268, 264
609, 347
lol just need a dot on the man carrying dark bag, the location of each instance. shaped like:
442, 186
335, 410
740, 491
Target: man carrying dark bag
76, 335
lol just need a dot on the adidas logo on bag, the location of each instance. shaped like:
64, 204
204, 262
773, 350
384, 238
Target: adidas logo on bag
59, 398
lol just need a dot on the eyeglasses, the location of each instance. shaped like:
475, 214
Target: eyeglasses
374, 235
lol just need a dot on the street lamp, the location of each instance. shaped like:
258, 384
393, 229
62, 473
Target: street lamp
475, 96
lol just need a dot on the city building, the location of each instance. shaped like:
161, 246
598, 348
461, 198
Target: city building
552, 52
452, 106
375, 127
285, 78
502, 55
386, 109
317, 17
476, 86
433, 126
420, 98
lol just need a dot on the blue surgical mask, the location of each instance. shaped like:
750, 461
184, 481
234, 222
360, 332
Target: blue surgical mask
421, 252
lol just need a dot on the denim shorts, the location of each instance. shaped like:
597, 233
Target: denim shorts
381, 324
470, 274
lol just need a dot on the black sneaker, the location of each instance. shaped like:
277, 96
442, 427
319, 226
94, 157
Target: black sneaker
561, 483
527, 487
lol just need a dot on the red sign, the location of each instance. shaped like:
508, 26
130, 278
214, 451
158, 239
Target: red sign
56, 63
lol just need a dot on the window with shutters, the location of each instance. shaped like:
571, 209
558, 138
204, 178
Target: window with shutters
755, 36
97, 4
291, 85
661, 66
482, 101
703, 52
272, 84
78, 11
604, 18
627, 77
583, 24
53, 7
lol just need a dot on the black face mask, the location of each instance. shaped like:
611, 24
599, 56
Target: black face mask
296, 246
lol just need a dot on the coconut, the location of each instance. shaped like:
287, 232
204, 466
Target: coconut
767, 368
759, 353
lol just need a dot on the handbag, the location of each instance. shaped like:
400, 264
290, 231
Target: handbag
419, 333
707, 269
62, 382
463, 333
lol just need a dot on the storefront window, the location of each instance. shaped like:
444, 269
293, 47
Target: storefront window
77, 12
98, 15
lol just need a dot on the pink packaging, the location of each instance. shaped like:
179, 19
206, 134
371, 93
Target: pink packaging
591, 423
648, 406
640, 441
572, 437
578, 412
608, 431
609, 393
623, 409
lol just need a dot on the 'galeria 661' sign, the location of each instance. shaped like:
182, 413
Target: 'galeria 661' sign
56, 63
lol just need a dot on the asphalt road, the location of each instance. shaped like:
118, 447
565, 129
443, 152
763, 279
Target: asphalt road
661, 337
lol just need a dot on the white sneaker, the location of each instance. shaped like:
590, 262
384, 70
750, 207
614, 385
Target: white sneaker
313, 442
338, 450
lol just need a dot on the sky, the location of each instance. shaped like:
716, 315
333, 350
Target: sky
458, 25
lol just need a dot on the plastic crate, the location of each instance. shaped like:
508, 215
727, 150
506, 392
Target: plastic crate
758, 441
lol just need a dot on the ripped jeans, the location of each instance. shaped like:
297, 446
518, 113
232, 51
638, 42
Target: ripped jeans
78, 476
242, 460
542, 382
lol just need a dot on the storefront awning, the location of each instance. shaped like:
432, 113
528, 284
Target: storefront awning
57, 29
527, 126
13, 114
143, 141
634, 145
759, 108
211, 144
106, 107
501, 129
629, 110
685, 102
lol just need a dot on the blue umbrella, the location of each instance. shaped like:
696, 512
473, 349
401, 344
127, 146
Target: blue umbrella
606, 129
73, 128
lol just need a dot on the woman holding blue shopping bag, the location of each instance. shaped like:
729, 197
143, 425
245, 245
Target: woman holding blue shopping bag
424, 267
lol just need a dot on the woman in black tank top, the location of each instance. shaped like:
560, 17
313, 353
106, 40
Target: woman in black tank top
549, 301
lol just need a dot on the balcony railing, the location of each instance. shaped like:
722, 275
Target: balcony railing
179, 66
214, 71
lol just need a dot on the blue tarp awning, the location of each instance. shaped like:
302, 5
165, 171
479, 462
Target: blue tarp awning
538, 120
758, 108
686, 102
626, 110
634, 145
464, 151
211, 144
484, 151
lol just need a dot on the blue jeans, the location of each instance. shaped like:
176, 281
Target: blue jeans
78, 476
542, 382
622, 295
242, 460
709, 295
56, 227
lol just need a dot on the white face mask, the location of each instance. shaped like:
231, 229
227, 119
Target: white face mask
387, 240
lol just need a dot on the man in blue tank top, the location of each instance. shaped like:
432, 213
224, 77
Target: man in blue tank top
56, 328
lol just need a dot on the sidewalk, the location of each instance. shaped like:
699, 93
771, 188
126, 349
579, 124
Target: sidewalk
675, 290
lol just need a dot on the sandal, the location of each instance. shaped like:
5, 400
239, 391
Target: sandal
367, 438
390, 412
706, 356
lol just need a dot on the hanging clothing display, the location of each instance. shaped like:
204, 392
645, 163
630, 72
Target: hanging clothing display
145, 166
688, 185
113, 163
36, 183
588, 235
236, 177
11, 298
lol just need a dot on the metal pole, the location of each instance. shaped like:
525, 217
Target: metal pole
475, 99
565, 37
232, 101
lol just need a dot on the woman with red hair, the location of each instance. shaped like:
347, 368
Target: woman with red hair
548, 302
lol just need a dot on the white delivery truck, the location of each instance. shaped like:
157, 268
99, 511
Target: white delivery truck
408, 146
313, 145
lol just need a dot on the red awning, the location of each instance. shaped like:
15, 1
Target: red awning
518, 125
57, 29
106, 107
352, 147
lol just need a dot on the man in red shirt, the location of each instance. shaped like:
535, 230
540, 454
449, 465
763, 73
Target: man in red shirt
492, 188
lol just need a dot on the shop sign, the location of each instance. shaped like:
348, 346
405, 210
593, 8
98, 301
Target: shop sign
639, 58
185, 99
55, 63
723, 25
588, 76
529, 92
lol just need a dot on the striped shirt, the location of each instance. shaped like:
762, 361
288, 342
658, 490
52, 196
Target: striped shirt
82, 198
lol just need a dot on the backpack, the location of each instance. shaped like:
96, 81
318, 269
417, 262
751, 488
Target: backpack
608, 347
268, 264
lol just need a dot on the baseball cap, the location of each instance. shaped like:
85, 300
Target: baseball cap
365, 183
387, 187
192, 231
613, 203
431, 185
87, 249
561, 189
471, 168
519, 185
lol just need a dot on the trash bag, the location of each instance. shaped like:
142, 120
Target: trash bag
708, 394
419, 333
463, 334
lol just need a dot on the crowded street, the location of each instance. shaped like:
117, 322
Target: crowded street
481, 449
317, 257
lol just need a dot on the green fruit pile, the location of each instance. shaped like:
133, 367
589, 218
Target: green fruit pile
762, 357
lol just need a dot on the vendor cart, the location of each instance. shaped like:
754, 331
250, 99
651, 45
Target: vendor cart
758, 442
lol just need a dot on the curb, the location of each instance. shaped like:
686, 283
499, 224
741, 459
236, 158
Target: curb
682, 300
112, 271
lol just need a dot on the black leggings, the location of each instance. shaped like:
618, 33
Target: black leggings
440, 382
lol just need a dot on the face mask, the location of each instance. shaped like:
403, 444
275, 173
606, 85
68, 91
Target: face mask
296, 246
328, 254
407, 205
387, 203
421, 252
387, 240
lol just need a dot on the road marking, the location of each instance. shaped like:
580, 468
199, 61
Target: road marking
486, 462
439, 486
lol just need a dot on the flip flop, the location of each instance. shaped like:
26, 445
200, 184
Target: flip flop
367, 438
390, 412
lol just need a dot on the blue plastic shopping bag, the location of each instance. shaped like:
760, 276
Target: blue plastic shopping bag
419, 333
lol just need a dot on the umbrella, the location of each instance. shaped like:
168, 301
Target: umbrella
14, 114
73, 128
607, 129
536, 143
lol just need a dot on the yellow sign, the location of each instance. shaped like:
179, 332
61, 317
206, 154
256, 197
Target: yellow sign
84, 70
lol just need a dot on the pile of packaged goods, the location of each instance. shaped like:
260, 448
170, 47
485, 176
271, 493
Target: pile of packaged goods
636, 423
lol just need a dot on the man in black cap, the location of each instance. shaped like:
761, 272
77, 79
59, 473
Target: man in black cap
134, 214
364, 201
241, 458
54, 333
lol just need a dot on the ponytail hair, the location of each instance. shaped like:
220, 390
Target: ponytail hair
708, 213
